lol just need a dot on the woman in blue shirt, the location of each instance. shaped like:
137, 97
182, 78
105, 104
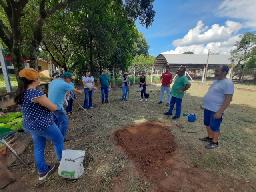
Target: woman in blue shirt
38, 120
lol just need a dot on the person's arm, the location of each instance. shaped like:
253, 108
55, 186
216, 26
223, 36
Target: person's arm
44, 101
226, 103
78, 91
187, 86
171, 79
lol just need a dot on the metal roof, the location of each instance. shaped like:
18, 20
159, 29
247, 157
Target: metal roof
190, 59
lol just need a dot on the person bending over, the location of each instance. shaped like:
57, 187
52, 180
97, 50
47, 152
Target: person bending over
58, 89
38, 120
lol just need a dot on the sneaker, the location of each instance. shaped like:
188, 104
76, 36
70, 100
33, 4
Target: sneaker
168, 113
91, 107
175, 117
106, 101
206, 139
160, 102
146, 99
212, 145
43, 176
141, 99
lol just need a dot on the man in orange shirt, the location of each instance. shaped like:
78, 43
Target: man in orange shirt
166, 80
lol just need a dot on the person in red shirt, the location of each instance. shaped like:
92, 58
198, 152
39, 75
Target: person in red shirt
166, 80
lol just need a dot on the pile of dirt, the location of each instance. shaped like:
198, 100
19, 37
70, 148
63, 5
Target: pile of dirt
148, 145
151, 147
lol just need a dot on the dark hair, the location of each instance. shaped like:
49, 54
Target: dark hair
23, 85
225, 68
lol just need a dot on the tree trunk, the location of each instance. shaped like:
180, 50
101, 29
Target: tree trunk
91, 55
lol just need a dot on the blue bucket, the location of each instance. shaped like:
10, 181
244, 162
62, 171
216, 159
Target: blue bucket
192, 117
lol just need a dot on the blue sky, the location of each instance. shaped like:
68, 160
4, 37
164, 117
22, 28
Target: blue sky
174, 18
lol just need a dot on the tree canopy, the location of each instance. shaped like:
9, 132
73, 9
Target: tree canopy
77, 34
245, 54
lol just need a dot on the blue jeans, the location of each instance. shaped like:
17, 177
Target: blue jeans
125, 90
69, 108
178, 102
143, 92
51, 133
61, 120
87, 98
167, 90
104, 94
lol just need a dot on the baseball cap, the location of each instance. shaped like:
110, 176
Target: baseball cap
67, 75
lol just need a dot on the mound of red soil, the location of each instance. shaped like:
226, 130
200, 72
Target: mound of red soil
149, 145
152, 148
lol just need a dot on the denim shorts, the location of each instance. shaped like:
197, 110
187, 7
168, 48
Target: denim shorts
211, 122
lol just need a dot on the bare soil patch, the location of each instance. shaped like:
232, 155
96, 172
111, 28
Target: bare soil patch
151, 146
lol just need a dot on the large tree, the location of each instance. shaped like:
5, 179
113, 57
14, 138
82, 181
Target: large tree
13, 11
244, 54
22, 23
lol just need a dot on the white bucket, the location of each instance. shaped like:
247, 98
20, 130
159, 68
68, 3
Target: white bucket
71, 164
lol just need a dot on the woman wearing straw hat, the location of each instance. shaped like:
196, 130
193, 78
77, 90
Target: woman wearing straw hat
38, 120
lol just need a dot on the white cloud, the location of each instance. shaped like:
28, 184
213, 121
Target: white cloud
201, 38
243, 10
202, 34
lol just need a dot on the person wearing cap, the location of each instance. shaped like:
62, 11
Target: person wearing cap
38, 120
166, 80
216, 101
58, 89
125, 87
181, 84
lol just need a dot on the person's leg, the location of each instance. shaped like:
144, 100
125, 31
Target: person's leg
178, 107
172, 103
144, 91
85, 98
161, 94
215, 128
62, 121
168, 95
106, 94
126, 92
123, 92
39, 147
53, 133
69, 107
207, 119
102, 95
141, 93
90, 98
87, 93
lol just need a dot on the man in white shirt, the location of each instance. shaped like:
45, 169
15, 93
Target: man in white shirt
216, 101
88, 82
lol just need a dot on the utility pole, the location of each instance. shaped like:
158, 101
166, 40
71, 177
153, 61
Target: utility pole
5, 73
206, 68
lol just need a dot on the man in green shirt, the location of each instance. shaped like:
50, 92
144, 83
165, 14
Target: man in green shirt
181, 84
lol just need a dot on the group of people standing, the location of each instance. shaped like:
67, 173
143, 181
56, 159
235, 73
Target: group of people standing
45, 118
215, 102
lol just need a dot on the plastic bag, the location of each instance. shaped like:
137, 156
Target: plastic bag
71, 164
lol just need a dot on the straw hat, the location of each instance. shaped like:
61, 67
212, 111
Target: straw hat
29, 73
